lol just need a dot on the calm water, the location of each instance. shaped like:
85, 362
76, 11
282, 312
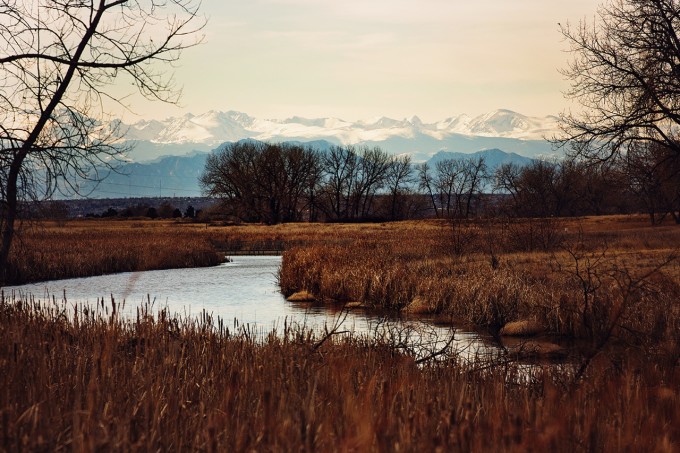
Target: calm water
244, 291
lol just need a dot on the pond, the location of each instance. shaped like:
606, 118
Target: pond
243, 292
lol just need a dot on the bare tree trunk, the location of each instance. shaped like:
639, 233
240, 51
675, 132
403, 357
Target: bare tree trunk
8, 224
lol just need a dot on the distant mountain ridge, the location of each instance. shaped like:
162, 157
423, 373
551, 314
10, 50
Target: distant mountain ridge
494, 158
177, 176
502, 129
216, 127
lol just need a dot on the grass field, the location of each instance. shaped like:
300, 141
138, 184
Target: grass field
573, 276
609, 284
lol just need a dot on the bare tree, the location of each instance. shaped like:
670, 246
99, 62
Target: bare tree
263, 182
352, 177
340, 167
399, 176
448, 178
625, 73
507, 181
653, 175
477, 174
457, 182
57, 59
427, 183
371, 177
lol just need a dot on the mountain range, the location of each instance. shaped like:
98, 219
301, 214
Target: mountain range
502, 129
169, 155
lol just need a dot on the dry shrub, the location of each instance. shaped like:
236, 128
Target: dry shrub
528, 235
522, 328
301, 296
471, 292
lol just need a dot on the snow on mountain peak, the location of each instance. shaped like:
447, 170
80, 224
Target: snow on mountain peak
506, 123
415, 121
215, 127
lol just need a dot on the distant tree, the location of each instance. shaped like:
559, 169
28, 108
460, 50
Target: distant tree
165, 210
449, 181
138, 210
340, 166
152, 213
57, 210
177, 214
477, 176
371, 177
110, 213
263, 182
427, 183
653, 174
560, 188
296, 180
454, 185
190, 212
507, 181
351, 179
399, 177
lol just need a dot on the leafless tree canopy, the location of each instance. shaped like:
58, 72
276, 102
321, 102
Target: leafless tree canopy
625, 73
57, 59
285, 182
263, 182
454, 185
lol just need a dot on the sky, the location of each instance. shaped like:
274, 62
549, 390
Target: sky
361, 59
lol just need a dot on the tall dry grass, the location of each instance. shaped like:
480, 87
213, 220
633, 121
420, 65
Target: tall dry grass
48, 251
83, 382
483, 273
594, 282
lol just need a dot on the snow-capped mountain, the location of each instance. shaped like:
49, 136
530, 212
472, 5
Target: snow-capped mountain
216, 127
503, 129
210, 128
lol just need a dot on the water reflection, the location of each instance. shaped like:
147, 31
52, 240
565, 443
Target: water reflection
245, 292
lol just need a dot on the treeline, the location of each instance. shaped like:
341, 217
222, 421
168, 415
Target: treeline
644, 180
164, 211
274, 183
59, 210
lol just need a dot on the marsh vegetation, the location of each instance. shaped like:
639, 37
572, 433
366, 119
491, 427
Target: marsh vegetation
603, 288
99, 383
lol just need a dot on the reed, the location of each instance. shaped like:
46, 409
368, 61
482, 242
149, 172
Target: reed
48, 251
484, 273
587, 280
89, 381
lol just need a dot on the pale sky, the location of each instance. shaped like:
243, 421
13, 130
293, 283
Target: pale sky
358, 59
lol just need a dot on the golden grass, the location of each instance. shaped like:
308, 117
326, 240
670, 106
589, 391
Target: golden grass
88, 383
522, 328
591, 279
48, 251
483, 273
